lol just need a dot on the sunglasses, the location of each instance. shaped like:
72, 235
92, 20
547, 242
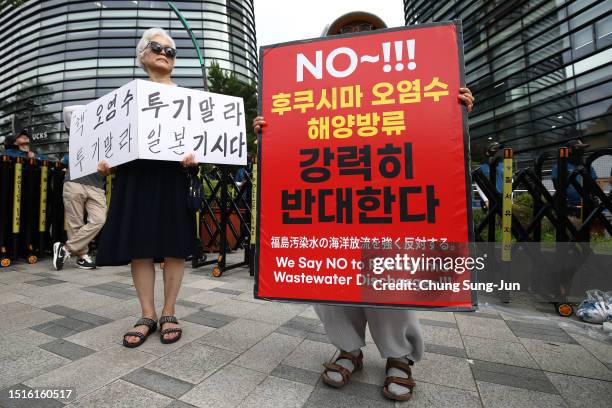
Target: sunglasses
157, 48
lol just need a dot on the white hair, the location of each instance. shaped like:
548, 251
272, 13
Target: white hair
144, 41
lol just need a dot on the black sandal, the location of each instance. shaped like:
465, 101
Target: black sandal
144, 321
162, 333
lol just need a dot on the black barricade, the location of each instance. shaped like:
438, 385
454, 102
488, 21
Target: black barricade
30, 208
225, 217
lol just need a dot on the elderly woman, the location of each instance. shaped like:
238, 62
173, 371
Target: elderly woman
148, 219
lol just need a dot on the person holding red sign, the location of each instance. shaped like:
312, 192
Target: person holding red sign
397, 333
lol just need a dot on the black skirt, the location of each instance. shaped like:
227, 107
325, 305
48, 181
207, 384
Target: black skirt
148, 215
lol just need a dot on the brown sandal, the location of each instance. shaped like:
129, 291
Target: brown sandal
404, 382
346, 374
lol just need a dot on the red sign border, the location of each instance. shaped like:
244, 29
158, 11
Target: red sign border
466, 155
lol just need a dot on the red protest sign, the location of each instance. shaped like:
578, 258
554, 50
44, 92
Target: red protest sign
364, 161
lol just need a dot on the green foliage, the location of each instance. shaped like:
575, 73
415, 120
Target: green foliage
226, 82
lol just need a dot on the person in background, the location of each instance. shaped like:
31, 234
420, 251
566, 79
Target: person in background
82, 195
20, 146
575, 161
492, 151
241, 178
149, 219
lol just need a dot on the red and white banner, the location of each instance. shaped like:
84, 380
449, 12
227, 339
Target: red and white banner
363, 163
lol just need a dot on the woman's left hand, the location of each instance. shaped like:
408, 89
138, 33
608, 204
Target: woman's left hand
466, 97
189, 161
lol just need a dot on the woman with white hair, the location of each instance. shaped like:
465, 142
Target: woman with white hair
148, 219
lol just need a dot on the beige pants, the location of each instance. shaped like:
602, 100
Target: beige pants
78, 199
396, 332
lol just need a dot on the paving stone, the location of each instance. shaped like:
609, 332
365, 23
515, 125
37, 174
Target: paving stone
373, 366
275, 312
512, 376
289, 331
239, 335
193, 305
193, 362
432, 315
105, 336
538, 331
20, 321
433, 395
179, 404
121, 394
206, 284
331, 398
444, 370
228, 291
443, 336
582, 392
268, 353
55, 330
362, 391
74, 324
210, 319
67, 349
296, 374
234, 308
208, 297
93, 372
62, 310
45, 282
158, 382
106, 292
601, 350
496, 329
224, 389
439, 323
310, 355
322, 338
18, 340
486, 315
448, 351
26, 363
8, 297
498, 351
275, 392
502, 396
7, 401
569, 359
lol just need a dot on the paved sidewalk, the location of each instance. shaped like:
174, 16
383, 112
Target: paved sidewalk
64, 329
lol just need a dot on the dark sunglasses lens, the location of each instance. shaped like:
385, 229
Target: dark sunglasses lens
156, 47
170, 52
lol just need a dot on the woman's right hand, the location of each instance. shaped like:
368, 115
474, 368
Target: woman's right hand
103, 168
258, 123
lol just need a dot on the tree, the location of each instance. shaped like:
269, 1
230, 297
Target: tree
226, 83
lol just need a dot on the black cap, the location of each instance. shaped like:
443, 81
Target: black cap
23, 132
493, 148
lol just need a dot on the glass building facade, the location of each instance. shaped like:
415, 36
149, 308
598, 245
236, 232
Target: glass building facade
58, 53
540, 70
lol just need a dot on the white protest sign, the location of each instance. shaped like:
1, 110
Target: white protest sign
147, 120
